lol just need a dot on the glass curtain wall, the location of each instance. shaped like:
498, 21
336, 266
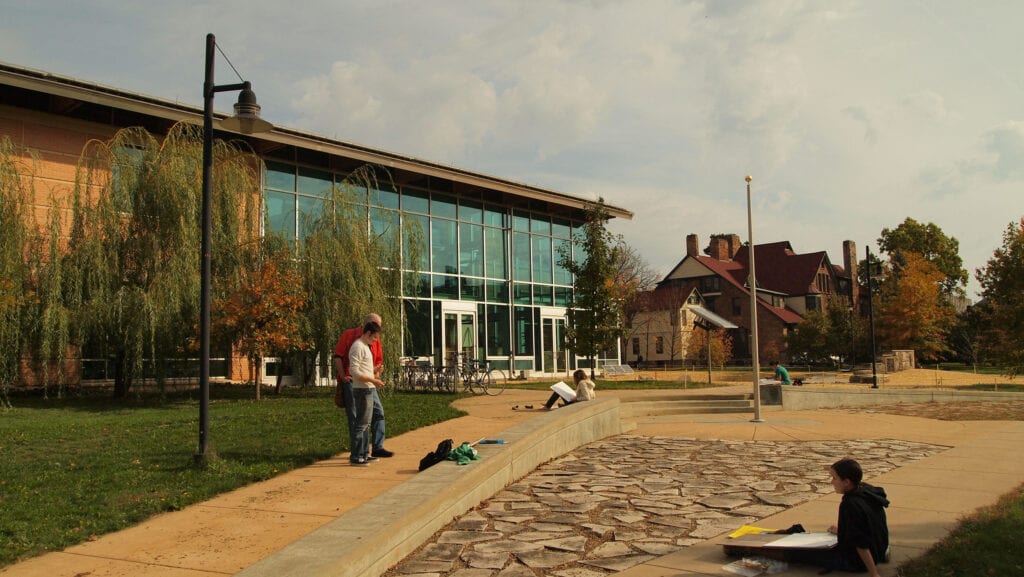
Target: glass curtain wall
503, 259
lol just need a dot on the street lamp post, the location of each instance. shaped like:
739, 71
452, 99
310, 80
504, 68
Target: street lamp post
752, 281
871, 321
247, 121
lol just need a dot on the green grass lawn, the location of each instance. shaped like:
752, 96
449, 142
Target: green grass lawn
982, 545
80, 467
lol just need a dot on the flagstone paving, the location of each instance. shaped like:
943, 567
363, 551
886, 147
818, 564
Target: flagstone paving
623, 501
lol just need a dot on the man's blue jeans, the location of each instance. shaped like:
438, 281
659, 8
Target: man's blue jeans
377, 422
359, 421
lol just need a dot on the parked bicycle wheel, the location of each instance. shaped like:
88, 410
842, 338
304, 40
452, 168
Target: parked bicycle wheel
495, 381
447, 380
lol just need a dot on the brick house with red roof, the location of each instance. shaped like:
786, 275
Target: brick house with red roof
789, 286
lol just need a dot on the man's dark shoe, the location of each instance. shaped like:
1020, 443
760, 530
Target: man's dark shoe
360, 462
383, 453
370, 459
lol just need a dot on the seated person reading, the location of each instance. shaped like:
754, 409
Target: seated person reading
862, 533
584, 390
781, 374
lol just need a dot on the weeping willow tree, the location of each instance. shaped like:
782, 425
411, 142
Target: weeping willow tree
16, 290
132, 268
352, 266
48, 334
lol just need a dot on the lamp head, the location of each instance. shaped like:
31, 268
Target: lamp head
247, 114
748, 178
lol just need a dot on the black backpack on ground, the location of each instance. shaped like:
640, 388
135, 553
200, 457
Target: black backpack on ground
436, 456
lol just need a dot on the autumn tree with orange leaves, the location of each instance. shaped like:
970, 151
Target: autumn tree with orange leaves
914, 312
262, 314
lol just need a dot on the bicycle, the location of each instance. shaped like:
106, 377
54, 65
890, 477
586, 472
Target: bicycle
478, 376
415, 376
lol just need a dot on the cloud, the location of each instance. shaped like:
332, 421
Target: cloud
1005, 145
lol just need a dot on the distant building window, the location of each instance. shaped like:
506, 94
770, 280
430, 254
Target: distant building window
636, 346
710, 284
709, 303
736, 306
659, 345
813, 303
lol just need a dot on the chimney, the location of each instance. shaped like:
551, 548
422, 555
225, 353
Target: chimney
691, 245
850, 264
719, 248
734, 245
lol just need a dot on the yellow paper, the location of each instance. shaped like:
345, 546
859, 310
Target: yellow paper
748, 530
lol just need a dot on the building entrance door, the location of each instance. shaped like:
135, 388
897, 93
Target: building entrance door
458, 332
554, 357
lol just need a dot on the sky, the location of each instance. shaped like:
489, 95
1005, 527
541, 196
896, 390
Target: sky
849, 115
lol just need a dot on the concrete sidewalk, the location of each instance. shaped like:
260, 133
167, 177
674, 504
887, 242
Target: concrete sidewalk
226, 534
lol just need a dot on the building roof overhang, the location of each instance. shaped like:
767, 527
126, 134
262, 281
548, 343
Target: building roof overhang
73, 89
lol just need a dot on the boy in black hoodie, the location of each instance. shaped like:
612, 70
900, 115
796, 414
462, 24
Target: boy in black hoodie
862, 532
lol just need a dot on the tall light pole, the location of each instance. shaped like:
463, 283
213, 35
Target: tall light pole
871, 320
247, 121
752, 282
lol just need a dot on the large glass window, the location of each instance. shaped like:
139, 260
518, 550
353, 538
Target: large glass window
314, 182
495, 216
446, 287
442, 205
418, 284
415, 201
384, 221
384, 196
417, 323
562, 275
497, 291
280, 213
310, 211
472, 289
470, 211
563, 296
541, 259
542, 295
560, 228
494, 251
497, 330
524, 330
444, 246
280, 176
416, 225
521, 221
540, 225
471, 249
521, 256
523, 293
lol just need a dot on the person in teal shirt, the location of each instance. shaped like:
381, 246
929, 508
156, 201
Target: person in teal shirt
781, 374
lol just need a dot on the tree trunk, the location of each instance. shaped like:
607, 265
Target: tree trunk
256, 372
121, 380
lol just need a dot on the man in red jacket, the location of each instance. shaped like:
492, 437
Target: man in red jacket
343, 395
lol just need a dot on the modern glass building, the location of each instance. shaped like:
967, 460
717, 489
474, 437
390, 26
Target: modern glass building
489, 283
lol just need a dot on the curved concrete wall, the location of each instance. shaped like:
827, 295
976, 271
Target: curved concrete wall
371, 538
807, 398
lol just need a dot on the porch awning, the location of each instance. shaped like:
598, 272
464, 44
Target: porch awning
710, 319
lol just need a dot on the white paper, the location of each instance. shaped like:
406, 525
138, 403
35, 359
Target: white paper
564, 391
805, 541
